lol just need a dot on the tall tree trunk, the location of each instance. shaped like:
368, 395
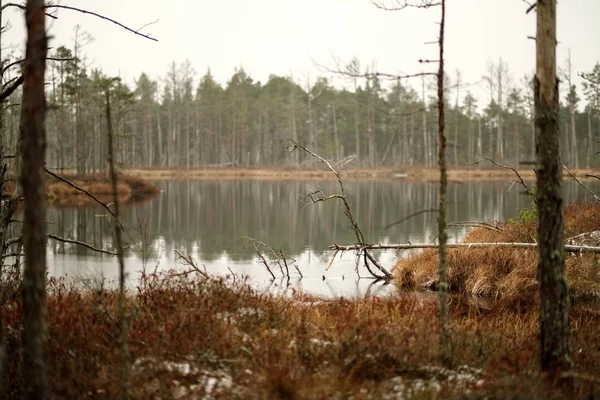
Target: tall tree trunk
554, 297
125, 365
590, 142
338, 154
295, 155
500, 111
33, 149
445, 338
456, 120
574, 149
426, 145
356, 128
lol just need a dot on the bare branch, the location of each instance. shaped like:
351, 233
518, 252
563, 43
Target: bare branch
519, 178
190, 261
20, 61
74, 186
347, 210
351, 71
9, 90
101, 17
79, 243
398, 5
531, 7
22, 7
264, 261
432, 210
581, 183
475, 224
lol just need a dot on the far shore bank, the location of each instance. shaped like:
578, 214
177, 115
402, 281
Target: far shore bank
402, 173
59, 193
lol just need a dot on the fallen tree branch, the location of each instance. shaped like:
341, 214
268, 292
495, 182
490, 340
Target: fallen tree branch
79, 243
347, 211
408, 246
190, 261
474, 224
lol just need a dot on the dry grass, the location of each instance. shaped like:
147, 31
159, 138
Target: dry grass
130, 189
193, 336
508, 274
311, 173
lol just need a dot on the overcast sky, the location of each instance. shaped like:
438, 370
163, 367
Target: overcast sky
283, 37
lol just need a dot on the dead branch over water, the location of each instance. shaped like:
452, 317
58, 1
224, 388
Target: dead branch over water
318, 196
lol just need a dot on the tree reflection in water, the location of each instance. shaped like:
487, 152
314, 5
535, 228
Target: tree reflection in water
205, 219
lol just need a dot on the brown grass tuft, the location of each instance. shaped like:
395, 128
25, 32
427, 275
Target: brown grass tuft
130, 189
508, 274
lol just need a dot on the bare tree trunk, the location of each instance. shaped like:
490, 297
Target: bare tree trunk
125, 365
554, 296
479, 145
33, 148
426, 145
590, 144
295, 155
335, 134
445, 337
456, 120
356, 116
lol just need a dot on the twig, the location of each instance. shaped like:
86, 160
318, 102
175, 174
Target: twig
74, 186
401, 5
101, 17
20, 61
475, 224
347, 210
432, 210
519, 178
190, 261
581, 183
583, 377
408, 246
22, 7
264, 261
79, 243
9, 90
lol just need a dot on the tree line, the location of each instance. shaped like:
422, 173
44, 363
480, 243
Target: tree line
181, 121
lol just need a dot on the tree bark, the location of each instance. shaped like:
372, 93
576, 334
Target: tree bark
445, 337
554, 299
125, 362
33, 148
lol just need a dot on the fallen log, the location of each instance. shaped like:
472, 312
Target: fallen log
408, 246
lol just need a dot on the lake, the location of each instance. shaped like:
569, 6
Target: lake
207, 219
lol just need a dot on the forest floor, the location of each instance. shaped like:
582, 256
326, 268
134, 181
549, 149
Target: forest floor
406, 173
198, 337
130, 189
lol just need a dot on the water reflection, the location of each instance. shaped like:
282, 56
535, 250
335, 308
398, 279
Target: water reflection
206, 218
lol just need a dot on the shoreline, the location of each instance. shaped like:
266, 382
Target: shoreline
406, 173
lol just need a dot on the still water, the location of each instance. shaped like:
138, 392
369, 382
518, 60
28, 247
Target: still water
206, 219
